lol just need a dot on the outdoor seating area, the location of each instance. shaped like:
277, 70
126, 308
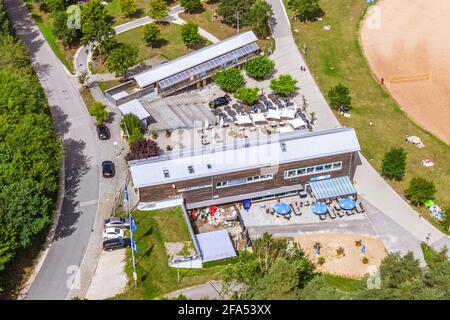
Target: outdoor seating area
271, 112
337, 208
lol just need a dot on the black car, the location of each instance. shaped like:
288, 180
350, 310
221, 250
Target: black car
108, 169
103, 132
220, 101
118, 243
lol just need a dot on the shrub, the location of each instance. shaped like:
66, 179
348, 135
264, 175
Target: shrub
247, 95
128, 7
284, 85
306, 10
321, 261
136, 134
420, 190
394, 163
169, 148
365, 260
189, 34
143, 149
339, 96
259, 67
358, 243
98, 110
129, 123
229, 79
340, 251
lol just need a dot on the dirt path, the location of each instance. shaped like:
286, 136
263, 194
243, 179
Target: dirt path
410, 38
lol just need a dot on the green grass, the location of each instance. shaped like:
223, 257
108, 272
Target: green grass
105, 85
428, 252
42, 19
114, 10
336, 56
155, 277
342, 283
87, 97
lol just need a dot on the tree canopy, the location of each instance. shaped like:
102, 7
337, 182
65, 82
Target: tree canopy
284, 85
306, 10
229, 79
248, 95
159, 9
96, 24
258, 17
143, 149
98, 110
128, 7
152, 33
259, 67
420, 190
191, 5
339, 96
189, 34
230, 10
122, 58
394, 163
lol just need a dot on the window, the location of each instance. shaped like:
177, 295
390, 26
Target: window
240, 181
319, 169
190, 188
166, 173
191, 169
313, 169
337, 165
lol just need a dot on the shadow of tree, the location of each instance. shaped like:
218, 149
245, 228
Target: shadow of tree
146, 254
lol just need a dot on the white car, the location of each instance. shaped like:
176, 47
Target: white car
112, 233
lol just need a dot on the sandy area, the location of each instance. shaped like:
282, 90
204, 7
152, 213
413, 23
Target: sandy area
406, 38
347, 264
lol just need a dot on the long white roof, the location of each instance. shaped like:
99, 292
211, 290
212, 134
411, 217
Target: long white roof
220, 159
191, 60
134, 107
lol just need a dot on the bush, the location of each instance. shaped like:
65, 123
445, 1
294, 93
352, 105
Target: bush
129, 123
259, 67
128, 7
420, 190
136, 134
284, 85
169, 148
339, 96
98, 110
340, 251
358, 243
152, 33
321, 261
306, 10
143, 149
189, 34
158, 9
191, 5
365, 260
247, 95
229, 79
394, 163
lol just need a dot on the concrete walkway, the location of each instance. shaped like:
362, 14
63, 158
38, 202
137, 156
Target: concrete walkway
210, 290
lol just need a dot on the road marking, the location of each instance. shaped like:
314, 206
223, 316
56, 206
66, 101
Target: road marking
87, 203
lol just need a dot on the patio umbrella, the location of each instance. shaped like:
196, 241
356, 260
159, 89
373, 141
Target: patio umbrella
319, 208
363, 248
282, 208
212, 210
347, 203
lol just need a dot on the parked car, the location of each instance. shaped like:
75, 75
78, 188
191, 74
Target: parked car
116, 222
103, 132
217, 102
112, 244
108, 169
113, 233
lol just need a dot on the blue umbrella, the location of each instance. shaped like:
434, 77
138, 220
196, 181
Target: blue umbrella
317, 249
319, 208
347, 203
282, 208
363, 248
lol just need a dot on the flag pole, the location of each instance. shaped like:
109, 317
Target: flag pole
132, 240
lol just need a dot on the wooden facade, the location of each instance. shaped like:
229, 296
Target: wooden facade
175, 190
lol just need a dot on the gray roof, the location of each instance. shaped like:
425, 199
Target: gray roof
191, 60
333, 187
215, 245
136, 108
224, 158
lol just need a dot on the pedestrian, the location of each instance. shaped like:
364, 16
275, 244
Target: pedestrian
382, 80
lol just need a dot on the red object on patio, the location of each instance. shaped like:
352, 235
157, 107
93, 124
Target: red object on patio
194, 214
213, 210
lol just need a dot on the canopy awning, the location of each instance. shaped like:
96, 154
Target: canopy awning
258, 117
273, 114
136, 108
298, 123
243, 119
215, 245
332, 188
288, 113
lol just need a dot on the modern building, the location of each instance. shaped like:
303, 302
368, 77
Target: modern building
275, 165
190, 71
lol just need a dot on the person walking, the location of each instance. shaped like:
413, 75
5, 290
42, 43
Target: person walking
382, 81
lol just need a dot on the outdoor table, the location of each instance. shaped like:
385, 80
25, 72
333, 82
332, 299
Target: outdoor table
347, 203
282, 209
319, 208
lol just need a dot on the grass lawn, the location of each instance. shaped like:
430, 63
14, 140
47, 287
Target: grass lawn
87, 97
155, 277
220, 30
428, 252
336, 56
343, 284
105, 85
119, 18
43, 20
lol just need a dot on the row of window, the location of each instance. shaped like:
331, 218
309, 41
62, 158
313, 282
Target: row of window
288, 174
236, 182
190, 188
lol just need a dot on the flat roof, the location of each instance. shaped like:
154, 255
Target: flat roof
332, 188
268, 150
191, 60
215, 245
136, 108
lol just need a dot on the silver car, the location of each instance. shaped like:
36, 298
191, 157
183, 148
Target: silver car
117, 222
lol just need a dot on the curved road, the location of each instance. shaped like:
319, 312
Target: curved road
74, 125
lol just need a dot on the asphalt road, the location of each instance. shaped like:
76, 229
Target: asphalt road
76, 128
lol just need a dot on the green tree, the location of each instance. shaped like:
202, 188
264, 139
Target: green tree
259, 67
67, 35
306, 10
396, 269
128, 7
191, 5
129, 123
189, 34
135, 135
394, 163
339, 96
284, 85
229, 79
247, 95
54, 5
159, 9
420, 190
14, 56
121, 59
151, 33
259, 16
446, 218
230, 10
96, 24
98, 110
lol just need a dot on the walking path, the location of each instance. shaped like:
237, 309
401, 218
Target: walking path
367, 181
